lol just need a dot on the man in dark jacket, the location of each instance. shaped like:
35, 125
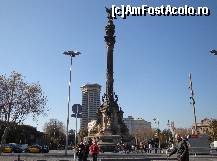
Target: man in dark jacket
181, 149
86, 152
81, 151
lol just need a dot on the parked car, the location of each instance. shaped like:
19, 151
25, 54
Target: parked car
23, 146
11, 148
45, 149
37, 149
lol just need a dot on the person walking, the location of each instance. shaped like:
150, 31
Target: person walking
86, 151
181, 149
149, 148
94, 150
81, 151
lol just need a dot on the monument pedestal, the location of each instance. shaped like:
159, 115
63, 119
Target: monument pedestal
106, 143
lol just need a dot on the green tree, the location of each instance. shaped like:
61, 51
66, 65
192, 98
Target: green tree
23, 134
55, 131
213, 130
18, 99
166, 138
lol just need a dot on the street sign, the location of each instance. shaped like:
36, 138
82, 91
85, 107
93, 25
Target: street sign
73, 115
76, 108
78, 115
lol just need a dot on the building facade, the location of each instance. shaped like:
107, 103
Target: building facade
137, 127
203, 127
90, 103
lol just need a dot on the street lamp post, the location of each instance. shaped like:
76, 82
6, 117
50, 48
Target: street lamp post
214, 52
192, 102
71, 54
158, 122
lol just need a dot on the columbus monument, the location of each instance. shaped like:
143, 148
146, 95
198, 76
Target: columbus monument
109, 129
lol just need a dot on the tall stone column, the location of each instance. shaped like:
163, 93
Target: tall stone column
110, 115
110, 128
110, 41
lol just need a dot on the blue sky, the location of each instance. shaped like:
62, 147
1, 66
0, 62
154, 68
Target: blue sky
152, 57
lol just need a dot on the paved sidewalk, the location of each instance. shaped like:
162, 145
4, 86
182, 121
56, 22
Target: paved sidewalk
102, 157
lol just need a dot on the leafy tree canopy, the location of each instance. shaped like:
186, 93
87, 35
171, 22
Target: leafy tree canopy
213, 132
55, 131
19, 98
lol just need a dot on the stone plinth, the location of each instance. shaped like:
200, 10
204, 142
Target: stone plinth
107, 143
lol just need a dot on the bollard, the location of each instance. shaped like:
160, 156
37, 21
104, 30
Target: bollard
18, 158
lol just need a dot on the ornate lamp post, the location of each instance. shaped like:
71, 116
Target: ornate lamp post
157, 122
192, 102
71, 54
